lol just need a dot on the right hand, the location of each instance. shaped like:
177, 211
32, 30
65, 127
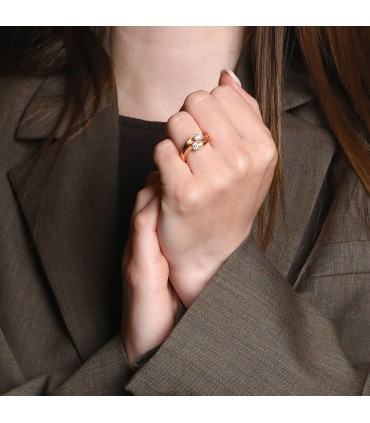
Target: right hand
150, 303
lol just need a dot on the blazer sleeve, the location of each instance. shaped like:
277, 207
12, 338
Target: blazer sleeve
250, 333
105, 373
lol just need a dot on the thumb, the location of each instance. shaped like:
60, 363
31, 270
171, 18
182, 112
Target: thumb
228, 77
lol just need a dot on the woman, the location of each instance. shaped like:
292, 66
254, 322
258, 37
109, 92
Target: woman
246, 268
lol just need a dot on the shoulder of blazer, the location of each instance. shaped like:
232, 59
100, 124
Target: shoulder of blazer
83, 260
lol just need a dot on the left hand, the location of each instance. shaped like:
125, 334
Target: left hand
150, 304
208, 204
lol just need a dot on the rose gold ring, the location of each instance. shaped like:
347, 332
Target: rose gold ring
196, 142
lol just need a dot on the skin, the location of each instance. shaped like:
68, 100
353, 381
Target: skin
191, 216
157, 67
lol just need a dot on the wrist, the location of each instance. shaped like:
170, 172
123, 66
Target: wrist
189, 282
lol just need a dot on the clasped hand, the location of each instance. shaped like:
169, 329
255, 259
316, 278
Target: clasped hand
191, 216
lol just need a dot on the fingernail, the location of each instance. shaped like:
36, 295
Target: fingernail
232, 74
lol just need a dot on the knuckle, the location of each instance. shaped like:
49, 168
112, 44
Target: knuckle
160, 148
222, 90
254, 103
220, 184
178, 120
187, 201
192, 198
269, 151
266, 135
266, 153
240, 164
195, 98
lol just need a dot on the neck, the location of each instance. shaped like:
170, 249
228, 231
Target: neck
157, 67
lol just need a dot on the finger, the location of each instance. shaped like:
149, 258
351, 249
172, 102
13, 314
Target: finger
210, 116
247, 123
180, 128
260, 145
227, 76
227, 79
143, 200
144, 196
144, 239
174, 172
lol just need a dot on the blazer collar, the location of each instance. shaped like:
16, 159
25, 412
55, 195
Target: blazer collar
72, 211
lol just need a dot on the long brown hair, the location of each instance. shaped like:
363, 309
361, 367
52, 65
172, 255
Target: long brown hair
338, 59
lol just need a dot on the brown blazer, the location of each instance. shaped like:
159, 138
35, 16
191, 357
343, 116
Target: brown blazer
249, 333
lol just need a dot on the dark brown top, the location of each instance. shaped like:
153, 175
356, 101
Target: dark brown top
137, 141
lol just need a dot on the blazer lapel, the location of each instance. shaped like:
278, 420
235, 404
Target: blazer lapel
71, 213
307, 151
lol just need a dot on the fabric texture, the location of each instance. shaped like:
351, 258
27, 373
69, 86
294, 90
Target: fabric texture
252, 331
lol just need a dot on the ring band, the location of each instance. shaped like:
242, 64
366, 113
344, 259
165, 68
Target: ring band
196, 142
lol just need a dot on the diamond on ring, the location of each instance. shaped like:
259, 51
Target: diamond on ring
195, 142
